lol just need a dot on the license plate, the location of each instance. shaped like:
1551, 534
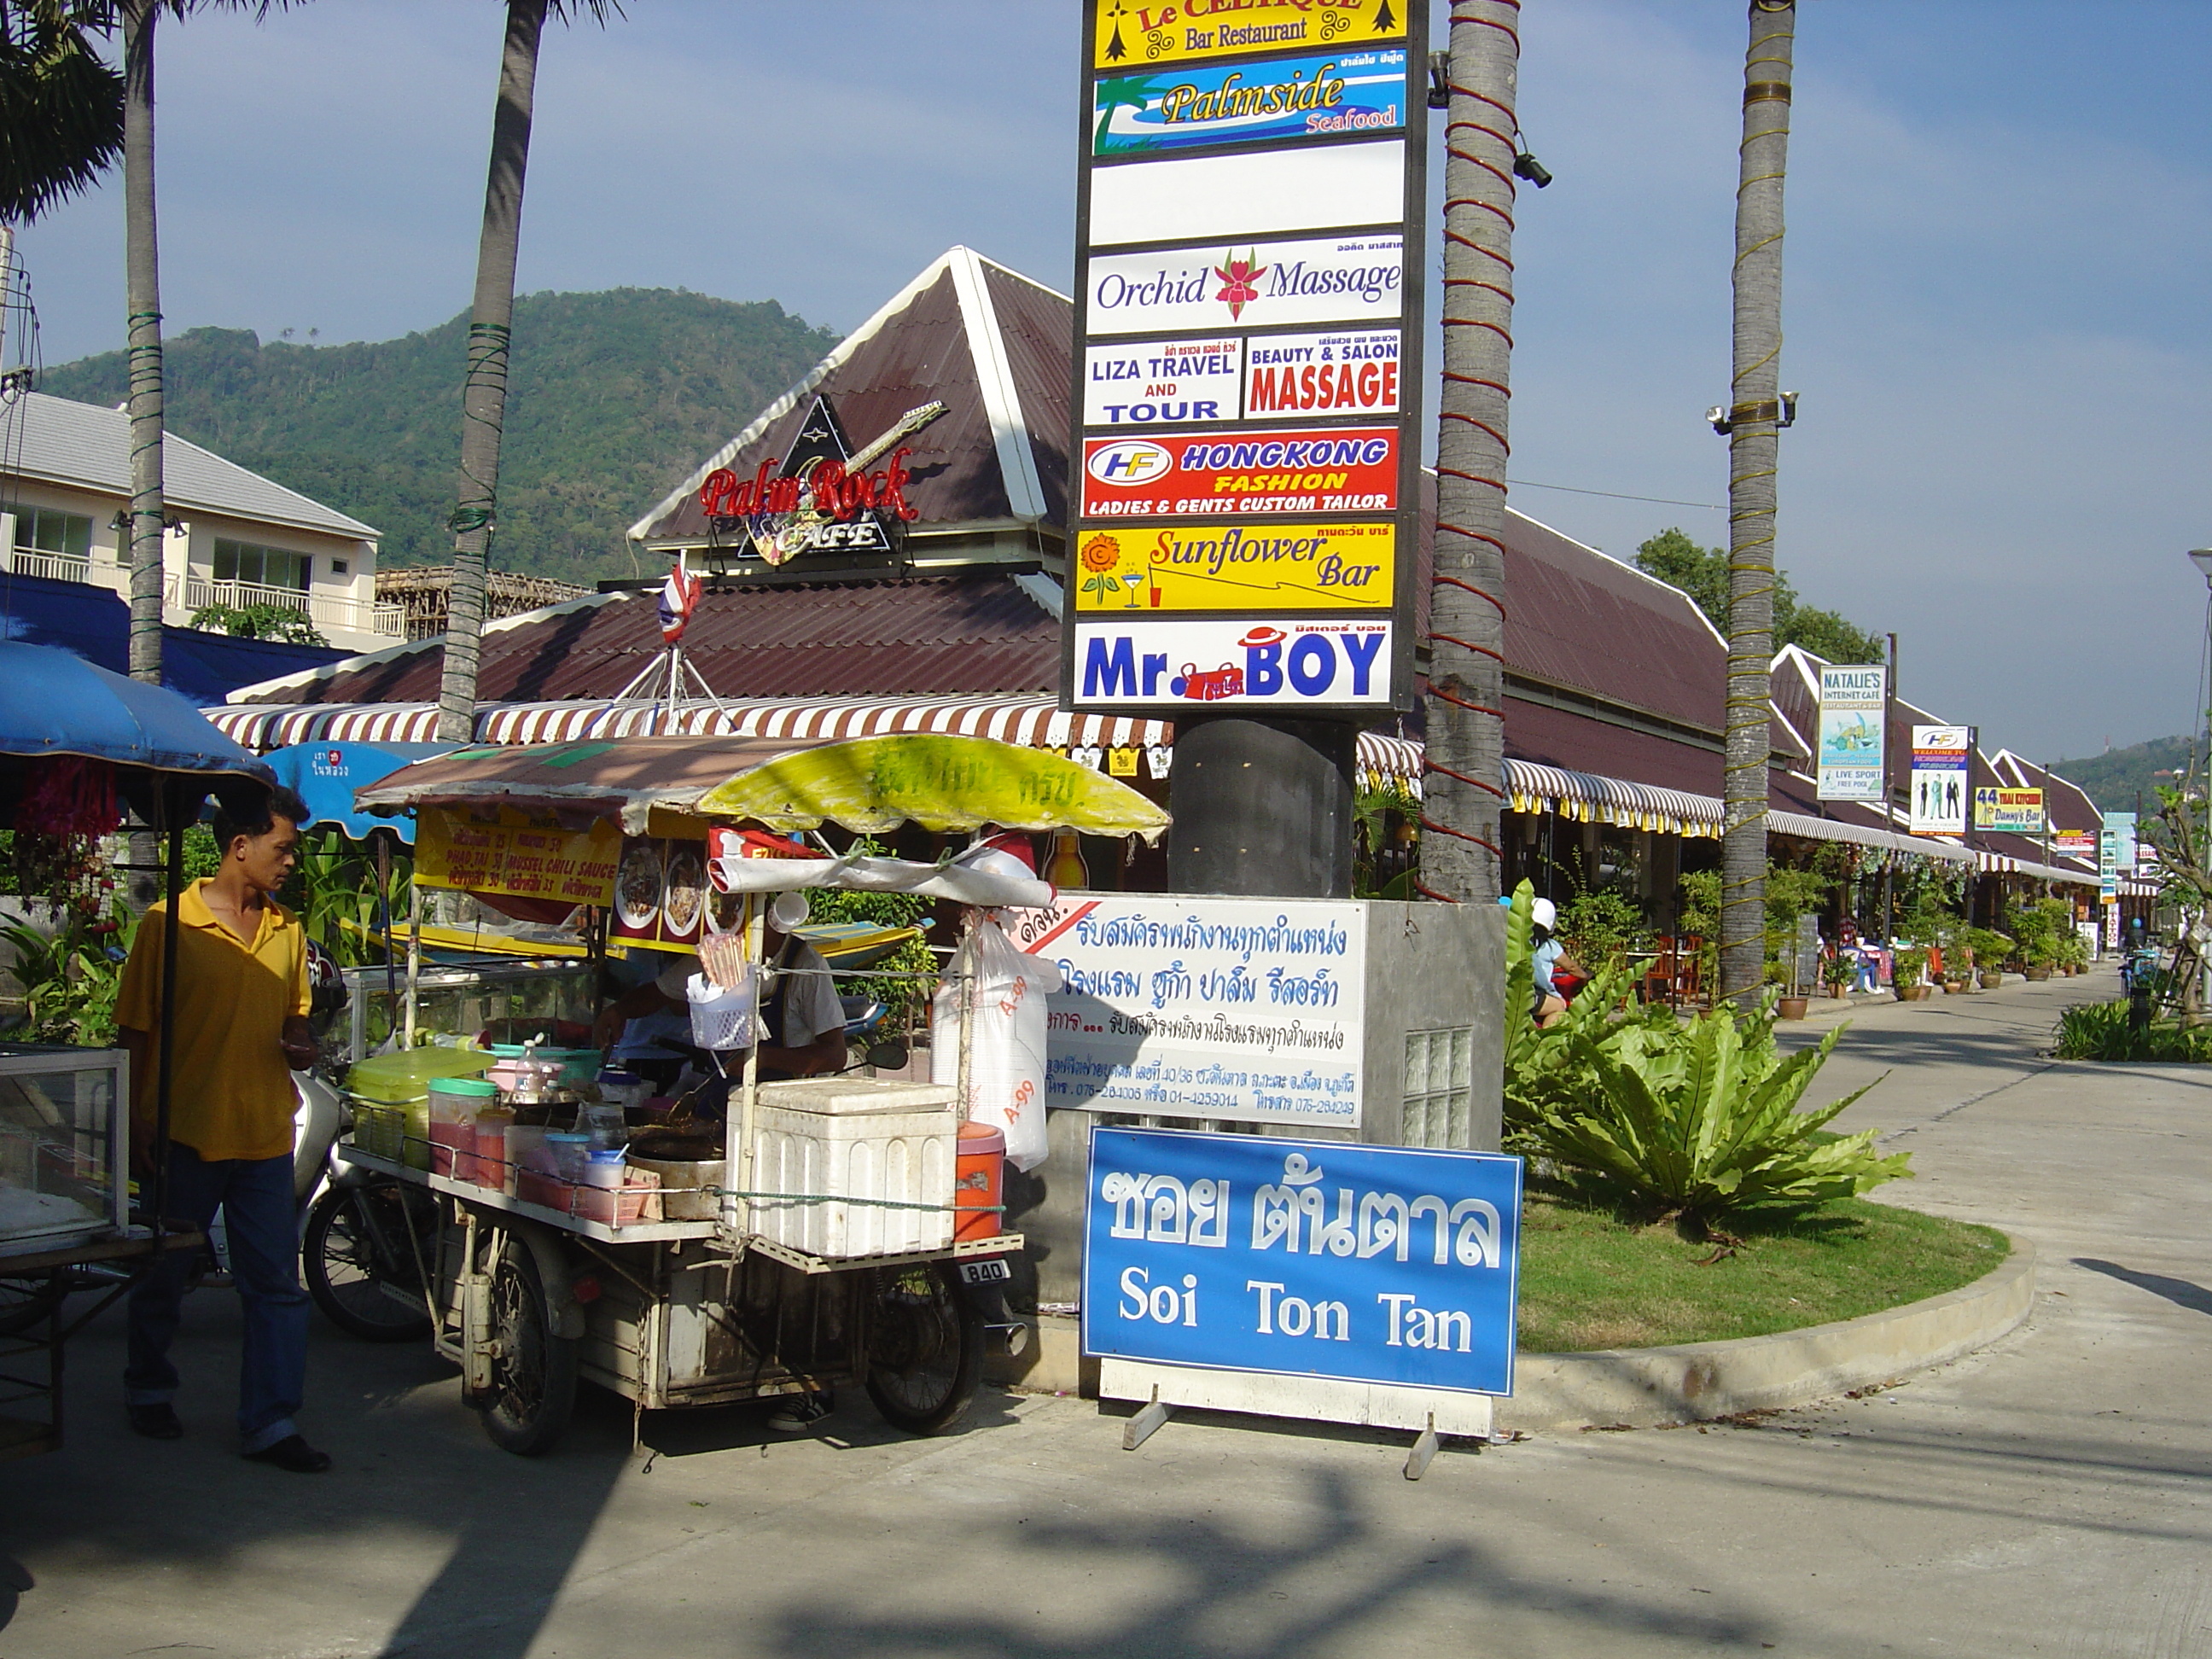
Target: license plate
989, 1271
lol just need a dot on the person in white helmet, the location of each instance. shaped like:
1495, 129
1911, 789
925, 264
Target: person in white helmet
1547, 956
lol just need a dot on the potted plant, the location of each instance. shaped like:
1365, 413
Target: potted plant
1837, 972
1790, 1006
1991, 949
1912, 967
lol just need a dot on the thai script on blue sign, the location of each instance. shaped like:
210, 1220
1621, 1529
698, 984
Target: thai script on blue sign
1366, 1264
1315, 96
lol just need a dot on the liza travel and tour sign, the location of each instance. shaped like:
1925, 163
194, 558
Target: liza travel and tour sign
1853, 727
1318, 1258
1244, 473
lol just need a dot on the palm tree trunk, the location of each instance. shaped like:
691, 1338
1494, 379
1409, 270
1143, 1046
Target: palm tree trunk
484, 395
141, 259
1463, 784
1755, 411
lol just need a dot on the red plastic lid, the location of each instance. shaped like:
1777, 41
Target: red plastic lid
981, 1138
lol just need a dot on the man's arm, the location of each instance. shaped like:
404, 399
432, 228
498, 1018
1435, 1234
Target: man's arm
825, 1053
139, 1045
634, 1004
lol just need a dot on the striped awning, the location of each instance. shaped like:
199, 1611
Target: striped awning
1997, 863
1808, 827
1586, 797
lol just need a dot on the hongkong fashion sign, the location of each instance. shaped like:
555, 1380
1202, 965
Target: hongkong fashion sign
1252, 285
1207, 475
1249, 1011
1245, 1253
1940, 756
1177, 382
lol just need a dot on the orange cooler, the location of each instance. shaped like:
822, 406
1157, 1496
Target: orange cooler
979, 1182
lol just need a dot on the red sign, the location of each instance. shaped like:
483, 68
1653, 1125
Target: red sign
828, 488
1205, 475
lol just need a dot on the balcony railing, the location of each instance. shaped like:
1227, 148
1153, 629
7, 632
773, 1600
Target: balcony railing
323, 610
54, 567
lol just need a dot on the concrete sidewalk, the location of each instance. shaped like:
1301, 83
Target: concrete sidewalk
2051, 1495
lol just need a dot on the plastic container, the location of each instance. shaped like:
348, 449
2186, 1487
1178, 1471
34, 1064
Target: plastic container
723, 1018
686, 1188
571, 1153
840, 1138
454, 1104
624, 1089
604, 1124
398, 1079
979, 1183
571, 1068
494, 1169
603, 1167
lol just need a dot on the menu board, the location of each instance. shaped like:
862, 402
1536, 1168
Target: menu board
1244, 467
661, 896
509, 854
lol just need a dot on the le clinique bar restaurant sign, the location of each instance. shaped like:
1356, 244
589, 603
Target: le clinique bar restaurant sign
1244, 473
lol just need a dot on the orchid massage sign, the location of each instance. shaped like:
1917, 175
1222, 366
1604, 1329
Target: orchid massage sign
1250, 248
1322, 1259
1247, 1011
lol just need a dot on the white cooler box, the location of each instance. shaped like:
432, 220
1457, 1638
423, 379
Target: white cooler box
849, 1137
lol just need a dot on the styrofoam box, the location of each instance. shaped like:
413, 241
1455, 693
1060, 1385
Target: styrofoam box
851, 1138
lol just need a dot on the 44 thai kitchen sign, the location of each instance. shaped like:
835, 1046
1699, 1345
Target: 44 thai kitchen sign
1247, 1011
1244, 475
1320, 1259
2017, 810
1853, 727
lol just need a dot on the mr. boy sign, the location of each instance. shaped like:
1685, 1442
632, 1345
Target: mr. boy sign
1245, 1253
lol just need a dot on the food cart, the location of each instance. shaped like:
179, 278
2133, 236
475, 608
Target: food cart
818, 1241
77, 742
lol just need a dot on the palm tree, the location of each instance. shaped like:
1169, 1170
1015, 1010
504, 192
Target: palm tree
484, 392
1463, 786
147, 516
60, 109
1754, 420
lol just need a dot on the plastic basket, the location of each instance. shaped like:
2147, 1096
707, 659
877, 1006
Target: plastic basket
379, 1130
722, 1017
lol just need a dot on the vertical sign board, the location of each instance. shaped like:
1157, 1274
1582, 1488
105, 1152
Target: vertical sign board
1939, 788
1382, 1265
1245, 466
1854, 715
1239, 1009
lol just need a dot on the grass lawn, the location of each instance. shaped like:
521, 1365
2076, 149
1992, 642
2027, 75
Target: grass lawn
1591, 1279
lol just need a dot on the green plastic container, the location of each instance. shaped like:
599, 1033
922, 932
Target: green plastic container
398, 1079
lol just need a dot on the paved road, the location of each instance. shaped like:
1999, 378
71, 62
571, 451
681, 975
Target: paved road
2052, 1495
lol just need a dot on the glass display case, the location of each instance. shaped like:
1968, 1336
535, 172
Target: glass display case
463, 1000
65, 1116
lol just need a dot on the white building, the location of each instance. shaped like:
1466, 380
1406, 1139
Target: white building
235, 538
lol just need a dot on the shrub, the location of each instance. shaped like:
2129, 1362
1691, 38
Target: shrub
1691, 1119
2100, 1030
1600, 928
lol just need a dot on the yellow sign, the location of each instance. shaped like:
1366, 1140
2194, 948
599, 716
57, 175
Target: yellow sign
1312, 567
517, 856
1130, 35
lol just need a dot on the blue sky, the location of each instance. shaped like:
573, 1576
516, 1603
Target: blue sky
1993, 299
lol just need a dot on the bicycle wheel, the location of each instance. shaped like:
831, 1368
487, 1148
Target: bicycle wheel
925, 1348
26, 1302
533, 1371
358, 1261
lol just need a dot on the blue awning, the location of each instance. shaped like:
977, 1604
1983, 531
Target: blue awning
325, 774
54, 702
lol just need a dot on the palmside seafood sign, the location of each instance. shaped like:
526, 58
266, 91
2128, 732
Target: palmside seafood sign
1250, 215
1301, 1258
1243, 1010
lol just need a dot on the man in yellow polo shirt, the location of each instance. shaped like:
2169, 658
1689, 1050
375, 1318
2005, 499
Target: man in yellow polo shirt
241, 1028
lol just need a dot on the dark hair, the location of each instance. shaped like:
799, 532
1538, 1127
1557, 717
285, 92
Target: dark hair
255, 814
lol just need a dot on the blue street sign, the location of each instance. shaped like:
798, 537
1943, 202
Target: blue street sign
1306, 1258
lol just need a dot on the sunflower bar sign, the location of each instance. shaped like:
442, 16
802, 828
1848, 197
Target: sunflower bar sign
1243, 472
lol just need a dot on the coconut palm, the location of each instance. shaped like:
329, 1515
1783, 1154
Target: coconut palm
1463, 788
61, 108
1754, 420
484, 392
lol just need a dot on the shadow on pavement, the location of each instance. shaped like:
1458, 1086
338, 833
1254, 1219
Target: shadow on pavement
2179, 1291
1234, 1594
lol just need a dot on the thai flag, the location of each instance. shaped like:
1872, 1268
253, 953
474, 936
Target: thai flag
679, 597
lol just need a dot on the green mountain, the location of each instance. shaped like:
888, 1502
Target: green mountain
612, 398
2117, 777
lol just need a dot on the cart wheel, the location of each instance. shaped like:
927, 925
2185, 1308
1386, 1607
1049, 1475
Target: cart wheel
357, 1243
925, 1348
26, 1302
534, 1372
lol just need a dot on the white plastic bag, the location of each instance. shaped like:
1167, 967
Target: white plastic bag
1006, 1061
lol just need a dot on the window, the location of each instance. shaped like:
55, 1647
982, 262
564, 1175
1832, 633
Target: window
261, 567
339, 567
1439, 1092
60, 535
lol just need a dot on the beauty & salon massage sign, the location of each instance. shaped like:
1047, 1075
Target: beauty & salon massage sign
1244, 474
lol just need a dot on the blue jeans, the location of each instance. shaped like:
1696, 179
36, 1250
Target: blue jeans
255, 1196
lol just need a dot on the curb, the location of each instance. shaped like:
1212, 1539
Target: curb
1644, 1387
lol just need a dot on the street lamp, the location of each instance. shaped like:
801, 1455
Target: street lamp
2202, 558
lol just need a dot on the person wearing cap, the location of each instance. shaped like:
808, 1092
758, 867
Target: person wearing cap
1546, 956
804, 1016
